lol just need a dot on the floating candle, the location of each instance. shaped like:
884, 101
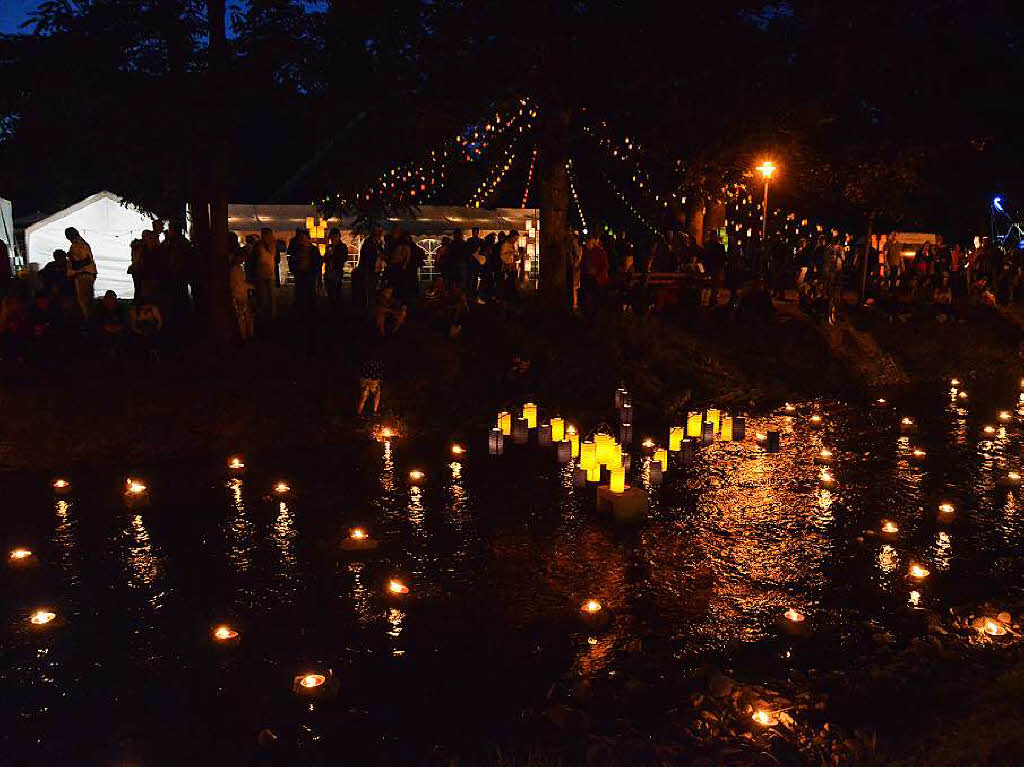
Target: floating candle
135, 487
312, 680
235, 463
954, 381
416, 475
281, 487
397, 587
648, 443
764, 718
815, 420
42, 617
993, 628
224, 633
20, 554
1004, 415
61, 484
590, 607
916, 571
794, 616
989, 429
918, 453
890, 527
946, 508
963, 395
458, 450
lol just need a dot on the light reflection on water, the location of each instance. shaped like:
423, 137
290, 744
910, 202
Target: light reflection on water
503, 544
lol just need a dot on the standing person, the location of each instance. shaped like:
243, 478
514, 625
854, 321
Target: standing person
266, 282
398, 259
714, 264
240, 287
574, 263
509, 254
594, 273
177, 258
456, 262
336, 258
364, 278
304, 263
476, 260
81, 270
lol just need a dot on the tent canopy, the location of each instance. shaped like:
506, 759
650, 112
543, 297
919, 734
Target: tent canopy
7, 224
108, 224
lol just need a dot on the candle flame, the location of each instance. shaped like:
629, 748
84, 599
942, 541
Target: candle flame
60, 484
1004, 415
793, 615
889, 527
135, 487
815, 419
764, 718
1013, 476
312, 680
223, 633
993, 628
954, 382
357, 534
963, 395
880, 400
790, 408
236, 463
907, 421
918, 453
282, 487
416, 474
397, 587
825, 453
989, 429
457, 450
20, 554
591, 606
42, 617
648, 442
916, 571
946, 508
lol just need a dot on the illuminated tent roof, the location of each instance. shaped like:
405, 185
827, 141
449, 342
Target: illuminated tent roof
6, 224
108, 224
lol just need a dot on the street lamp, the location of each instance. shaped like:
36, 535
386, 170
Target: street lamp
767, 170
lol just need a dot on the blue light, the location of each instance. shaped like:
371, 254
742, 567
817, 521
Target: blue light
997, 203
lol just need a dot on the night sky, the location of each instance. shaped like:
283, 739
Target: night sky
13, 12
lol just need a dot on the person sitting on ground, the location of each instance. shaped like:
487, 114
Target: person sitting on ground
370, 380
109, 321
146, 324
44, 318
391, 312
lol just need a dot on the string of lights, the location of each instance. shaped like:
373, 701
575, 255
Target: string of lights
576, 197
629, 206
529, 177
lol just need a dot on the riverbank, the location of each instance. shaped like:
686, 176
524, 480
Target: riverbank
271, 396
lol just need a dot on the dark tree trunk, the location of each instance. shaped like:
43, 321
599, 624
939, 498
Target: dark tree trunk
553, 188
218, 296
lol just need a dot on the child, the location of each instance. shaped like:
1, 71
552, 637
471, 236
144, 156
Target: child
370, 380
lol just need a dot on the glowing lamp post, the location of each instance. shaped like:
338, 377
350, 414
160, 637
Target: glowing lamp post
767, 170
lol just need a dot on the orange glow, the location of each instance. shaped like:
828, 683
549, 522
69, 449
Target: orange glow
890, 527
793, 615
766, 169
916, 571
235, 462
19, 554
312, 680
790, 407
764, 718
1004, 415
224, 633
816, 419
648, 443
825, 454
386, 433
880, 400
946, 508
458, 450
963, 395
1013, 476
918, 453
907, 421
42, 617
570, 429
590, 607
760, 436
397, 587
281, 487
827, 478
135, 487
61, 484
416, 475
954, 381
989, 430
993, 628
357, 534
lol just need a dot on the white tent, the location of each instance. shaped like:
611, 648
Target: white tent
108, 224
7, 225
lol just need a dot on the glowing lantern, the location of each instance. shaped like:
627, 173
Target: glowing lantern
693, 424
397, 587
458, 450
310, 223
574, 442
42, 617
648, 443
594, 473
715, 416
224, 634
880, 401
918, 572
661, 456
963, 395
794, 616
61, 486
907, 425
136, 493
309, 682
588, 455
675, 438
993, 628
764, 718
235, 463
496, 442
530, 414
557, 429
505, 423
358, 540
603, 446
726, 433
827, 480
617, 484
282, 488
